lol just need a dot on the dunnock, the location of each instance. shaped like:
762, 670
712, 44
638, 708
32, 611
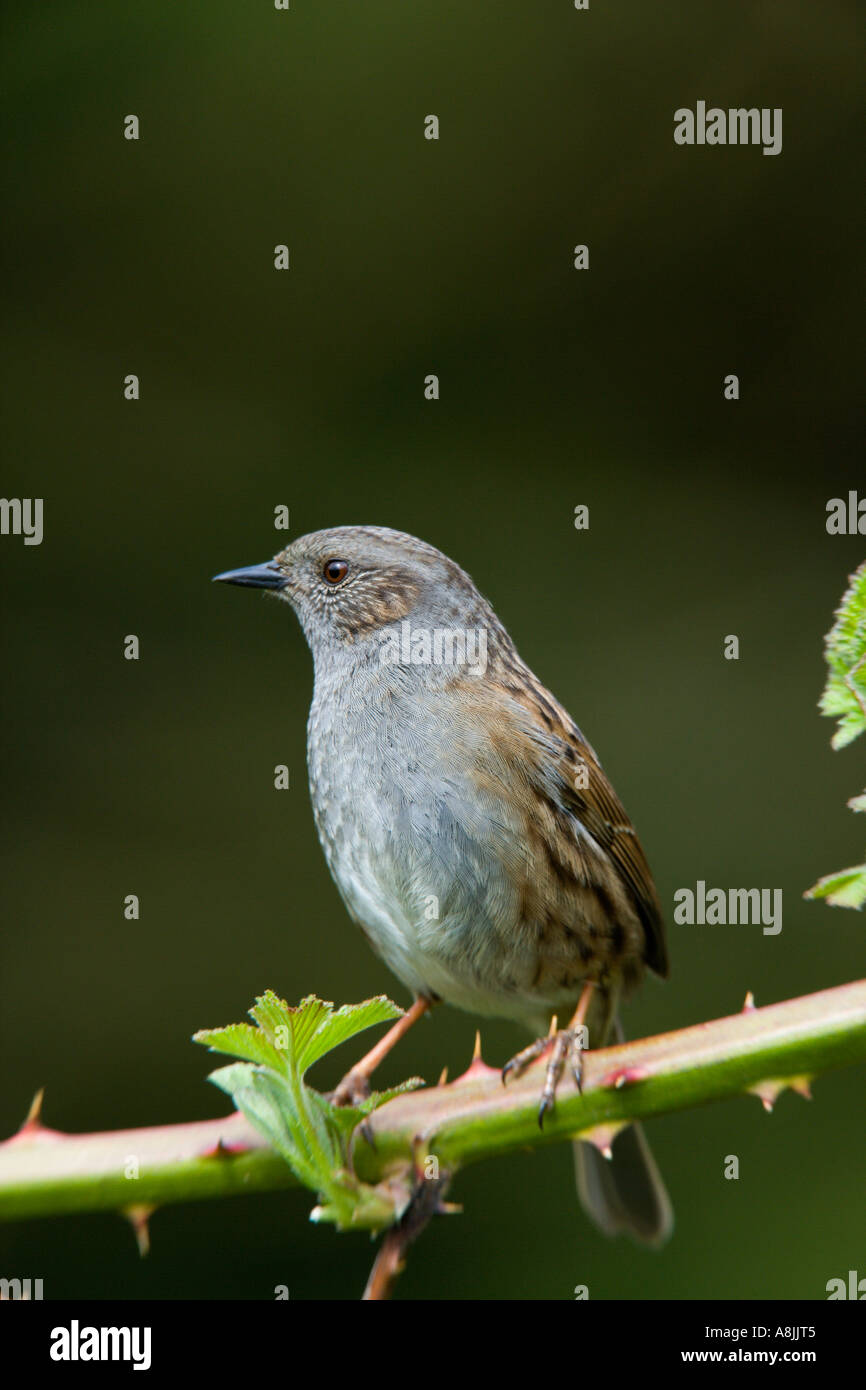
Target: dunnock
468, 824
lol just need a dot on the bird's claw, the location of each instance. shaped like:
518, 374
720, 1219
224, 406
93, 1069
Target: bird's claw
566, 1045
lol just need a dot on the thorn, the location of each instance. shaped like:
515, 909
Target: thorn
554, 1023
34, 1114
477, 1067
800, 1084
748, 1003
138, 1217
443, 1077
33, 1131
602, 1136
625, 1076
450, 1208
223, 1150
33, 1125
768, 1093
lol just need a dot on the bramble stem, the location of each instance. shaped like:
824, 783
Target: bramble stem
43, 1172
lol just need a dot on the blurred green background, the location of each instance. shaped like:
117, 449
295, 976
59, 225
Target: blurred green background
305, 388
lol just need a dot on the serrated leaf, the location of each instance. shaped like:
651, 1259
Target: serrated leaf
343, 1024
242, 1040
850, 727
847, 888
305, 1140
844, 696
346, 1117
288, 1028
264, 1113
303, 1126
314, 1026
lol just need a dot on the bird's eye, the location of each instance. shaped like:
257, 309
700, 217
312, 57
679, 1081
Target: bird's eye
335, 570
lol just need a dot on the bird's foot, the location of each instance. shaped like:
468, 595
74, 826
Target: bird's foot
566, 1047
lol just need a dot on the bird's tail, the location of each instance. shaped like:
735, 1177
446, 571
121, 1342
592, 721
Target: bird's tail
624, 1193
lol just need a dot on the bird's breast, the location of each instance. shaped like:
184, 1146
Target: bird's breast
439, 867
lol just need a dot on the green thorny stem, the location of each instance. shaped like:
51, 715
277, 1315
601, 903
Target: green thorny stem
431, 1133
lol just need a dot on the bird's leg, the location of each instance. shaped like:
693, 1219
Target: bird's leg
355, 1085
521, 1060
568, 1042
565, 1041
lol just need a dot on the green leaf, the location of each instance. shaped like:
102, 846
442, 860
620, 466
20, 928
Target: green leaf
847, 888
310, 1133
345, 1023
314, 1026
844, 697
282, 1023
346, 1117
242, 1040
264, 1104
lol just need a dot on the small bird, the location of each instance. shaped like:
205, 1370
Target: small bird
468, 824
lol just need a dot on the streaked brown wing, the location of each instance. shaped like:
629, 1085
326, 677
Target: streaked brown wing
600, 811
598, 808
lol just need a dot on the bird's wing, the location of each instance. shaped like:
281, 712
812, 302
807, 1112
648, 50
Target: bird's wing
535, 747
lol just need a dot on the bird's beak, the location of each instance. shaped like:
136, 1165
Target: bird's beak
267, 576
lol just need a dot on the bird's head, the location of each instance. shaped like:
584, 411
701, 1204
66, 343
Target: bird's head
351, 585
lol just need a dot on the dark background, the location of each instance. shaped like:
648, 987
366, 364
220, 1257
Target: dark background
306, 388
